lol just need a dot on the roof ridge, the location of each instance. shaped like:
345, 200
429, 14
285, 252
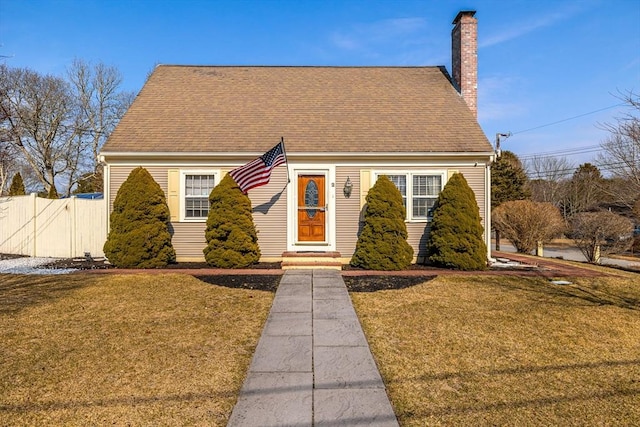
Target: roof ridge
298, 66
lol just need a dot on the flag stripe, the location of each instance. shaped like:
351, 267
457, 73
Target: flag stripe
258, 172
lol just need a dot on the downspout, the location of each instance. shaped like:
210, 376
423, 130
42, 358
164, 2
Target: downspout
488, 208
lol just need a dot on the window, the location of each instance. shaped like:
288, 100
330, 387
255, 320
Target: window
425, 192
401, 182
196, 187
420, 196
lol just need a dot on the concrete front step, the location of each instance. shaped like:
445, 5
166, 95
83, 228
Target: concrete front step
311, 260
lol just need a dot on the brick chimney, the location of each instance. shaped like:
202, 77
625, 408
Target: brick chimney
464, 57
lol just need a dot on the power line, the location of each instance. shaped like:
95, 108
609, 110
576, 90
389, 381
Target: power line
565, 152
572, 151
555, 173
570, 118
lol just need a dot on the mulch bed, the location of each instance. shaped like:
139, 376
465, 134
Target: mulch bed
266, 276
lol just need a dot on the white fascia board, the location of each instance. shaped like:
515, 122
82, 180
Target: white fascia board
297, 155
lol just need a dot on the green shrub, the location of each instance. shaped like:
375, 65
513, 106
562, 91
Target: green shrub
456, 237
382, 244
17, 186
232, 239
139, 236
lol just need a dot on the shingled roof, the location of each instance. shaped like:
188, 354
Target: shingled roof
212, 109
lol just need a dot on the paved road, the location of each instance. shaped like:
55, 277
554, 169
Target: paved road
573, 254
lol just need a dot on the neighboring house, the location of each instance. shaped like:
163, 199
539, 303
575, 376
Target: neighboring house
342, 126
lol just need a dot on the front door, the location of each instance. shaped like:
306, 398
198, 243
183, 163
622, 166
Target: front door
312, 207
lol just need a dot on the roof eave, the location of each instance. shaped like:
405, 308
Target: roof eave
235, 155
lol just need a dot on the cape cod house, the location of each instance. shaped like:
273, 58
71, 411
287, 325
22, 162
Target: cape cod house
342, 128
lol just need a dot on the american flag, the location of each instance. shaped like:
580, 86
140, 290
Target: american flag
258, 171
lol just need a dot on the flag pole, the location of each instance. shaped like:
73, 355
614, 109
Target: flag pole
286, 158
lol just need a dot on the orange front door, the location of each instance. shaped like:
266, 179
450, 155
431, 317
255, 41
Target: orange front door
311, 208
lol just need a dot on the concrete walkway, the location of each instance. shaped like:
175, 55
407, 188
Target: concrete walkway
312, 365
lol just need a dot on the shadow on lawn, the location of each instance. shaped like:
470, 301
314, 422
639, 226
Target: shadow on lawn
115, 401
627, 389
19, 291
577, 294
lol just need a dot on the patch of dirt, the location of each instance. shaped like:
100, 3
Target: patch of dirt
80, 264
373, 283
100, 264
258, 282
10, 256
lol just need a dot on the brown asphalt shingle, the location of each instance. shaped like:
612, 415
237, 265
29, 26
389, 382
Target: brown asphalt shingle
316, 109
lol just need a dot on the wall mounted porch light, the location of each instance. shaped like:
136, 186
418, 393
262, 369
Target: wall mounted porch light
348, 187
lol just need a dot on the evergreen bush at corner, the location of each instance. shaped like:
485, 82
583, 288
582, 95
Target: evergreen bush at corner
456, 236
232, 239
139, 225
17, 186
382, 244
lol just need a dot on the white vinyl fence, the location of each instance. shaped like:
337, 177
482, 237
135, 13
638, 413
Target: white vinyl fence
61, 228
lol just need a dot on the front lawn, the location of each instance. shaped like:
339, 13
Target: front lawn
499, 350
124, 349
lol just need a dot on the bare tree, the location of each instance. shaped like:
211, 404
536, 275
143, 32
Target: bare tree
621, 153
38, 113
57, 128
601, 233
548, 177
100, 105
7, 166
525, 223
7, 160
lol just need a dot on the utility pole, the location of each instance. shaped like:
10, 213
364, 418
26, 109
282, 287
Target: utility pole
498, 135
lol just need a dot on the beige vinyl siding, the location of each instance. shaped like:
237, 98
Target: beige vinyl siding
119, 174
475, 179
188, 238
418, 232
347, 210
269, 203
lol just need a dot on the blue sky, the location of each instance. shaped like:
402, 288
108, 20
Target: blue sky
542, 63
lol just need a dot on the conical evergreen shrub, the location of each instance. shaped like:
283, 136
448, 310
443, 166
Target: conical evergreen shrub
139, 236
456, 236
382, 244
17, 186
232, 239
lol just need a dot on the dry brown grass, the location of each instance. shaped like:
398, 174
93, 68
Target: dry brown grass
124, 350
498, 350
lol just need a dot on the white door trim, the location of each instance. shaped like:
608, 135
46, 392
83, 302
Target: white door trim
329, 171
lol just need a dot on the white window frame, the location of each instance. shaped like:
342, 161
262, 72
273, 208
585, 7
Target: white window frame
409, 185
183, 193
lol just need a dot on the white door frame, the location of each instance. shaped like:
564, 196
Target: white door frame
329, 245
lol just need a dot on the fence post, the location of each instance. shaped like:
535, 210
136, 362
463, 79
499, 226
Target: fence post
34, 219
74, 229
